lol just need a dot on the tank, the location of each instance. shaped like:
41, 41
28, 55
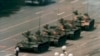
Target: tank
84, 21
35, 43
56, 35
72, 31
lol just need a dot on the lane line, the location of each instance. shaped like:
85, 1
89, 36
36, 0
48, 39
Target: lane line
74, 1
27, 21
83, 44
66, 16
39, 12
1, 30
9, 55
2, 46
60, 13
15, 25
10, 37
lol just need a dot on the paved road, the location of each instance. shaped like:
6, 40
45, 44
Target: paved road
28, 19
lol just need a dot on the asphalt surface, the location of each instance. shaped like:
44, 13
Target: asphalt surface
28, 19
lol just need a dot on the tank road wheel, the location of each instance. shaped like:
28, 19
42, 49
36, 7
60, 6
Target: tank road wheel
91, 25
75, 34
61, 41
43, 47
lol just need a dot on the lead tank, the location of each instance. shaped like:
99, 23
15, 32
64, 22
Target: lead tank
35, 43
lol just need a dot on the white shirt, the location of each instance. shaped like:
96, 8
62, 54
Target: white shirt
17, 48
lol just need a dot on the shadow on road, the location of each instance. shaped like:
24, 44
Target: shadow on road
32, 52
7, 13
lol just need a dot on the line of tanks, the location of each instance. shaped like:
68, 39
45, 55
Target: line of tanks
56, 35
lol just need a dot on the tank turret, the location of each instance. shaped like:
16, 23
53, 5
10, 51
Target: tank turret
75, 12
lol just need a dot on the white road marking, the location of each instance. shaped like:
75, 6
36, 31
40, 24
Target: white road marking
74, 1
16, 25
60, 13
90, 41
1, 30
1, 46
9, 55
66, 16
83, 44
5, 29
10, 37
39, 12
61, 1
2, 51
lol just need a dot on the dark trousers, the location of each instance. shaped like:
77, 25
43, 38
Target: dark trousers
17, 53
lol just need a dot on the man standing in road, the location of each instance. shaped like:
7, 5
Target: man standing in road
17, 51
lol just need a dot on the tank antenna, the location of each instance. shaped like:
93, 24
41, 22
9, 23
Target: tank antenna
39, 24
39, 13
87, 6
72, 10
